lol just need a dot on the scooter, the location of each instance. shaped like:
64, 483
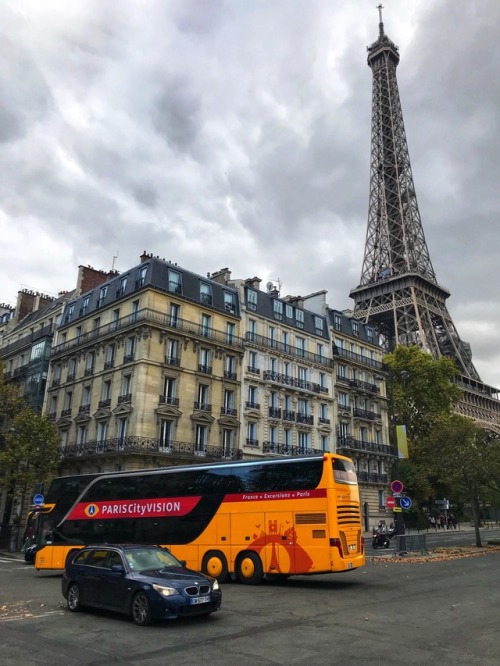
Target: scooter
380, 540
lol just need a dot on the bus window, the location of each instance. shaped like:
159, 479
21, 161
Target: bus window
344, 471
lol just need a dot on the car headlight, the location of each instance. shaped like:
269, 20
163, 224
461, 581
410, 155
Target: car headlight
215, 585
164, 591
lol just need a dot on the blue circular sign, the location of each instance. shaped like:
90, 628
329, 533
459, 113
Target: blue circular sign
38, 499
397, 487
405, 502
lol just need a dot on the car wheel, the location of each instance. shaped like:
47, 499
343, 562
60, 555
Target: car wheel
214, 564
249, 568
74, 604
141, 609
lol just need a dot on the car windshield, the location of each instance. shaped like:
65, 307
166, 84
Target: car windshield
150, 558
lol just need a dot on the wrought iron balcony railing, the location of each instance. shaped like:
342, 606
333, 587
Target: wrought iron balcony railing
297, 352
372, 477
230, 375
203, 406
126, 397
364, 386
252, 405
358, 358
352, 444
168, 400
288, 450
274, 413
228, 411
278, 377
146, 445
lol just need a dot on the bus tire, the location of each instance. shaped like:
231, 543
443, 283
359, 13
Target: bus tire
249, 568
70, 556
215, 564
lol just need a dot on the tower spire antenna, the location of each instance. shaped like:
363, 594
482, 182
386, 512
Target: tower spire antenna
380, 22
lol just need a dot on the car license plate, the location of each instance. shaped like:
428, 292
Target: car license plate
200, 600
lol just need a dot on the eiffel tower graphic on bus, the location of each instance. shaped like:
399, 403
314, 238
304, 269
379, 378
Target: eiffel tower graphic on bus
398, 291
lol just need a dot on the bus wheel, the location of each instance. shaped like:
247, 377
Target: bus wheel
215, 564
249, 568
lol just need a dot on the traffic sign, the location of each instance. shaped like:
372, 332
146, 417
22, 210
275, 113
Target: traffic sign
397, 487
390, 502
397, 508
405, 502
38, 499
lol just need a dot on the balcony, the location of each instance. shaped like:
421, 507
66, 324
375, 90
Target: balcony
168, 400
288, 415
126, 397
206, 369
287, 380
172, 360
52, 416
357, 358
230, 375
363, 386
104, 403
287, 450
66, 412
128, 358
228, 411
88, 372
152, 317
274, 413
253, 370
252, 405
297, 352
351, 444
305, 419
109, 364
44, 332
147, 446
364, 414
323, 421
252, 442
71, 377
84, 409
373, 477
203, 407
55, 382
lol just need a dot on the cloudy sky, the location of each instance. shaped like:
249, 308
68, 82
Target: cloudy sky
237, 133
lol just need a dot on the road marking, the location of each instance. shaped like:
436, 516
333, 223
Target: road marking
30, 616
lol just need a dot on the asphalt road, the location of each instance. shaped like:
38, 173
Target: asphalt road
390, 612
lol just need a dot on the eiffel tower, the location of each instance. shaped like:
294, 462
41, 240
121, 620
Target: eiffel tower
398, 292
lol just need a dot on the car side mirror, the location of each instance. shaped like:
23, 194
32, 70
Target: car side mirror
183, 562
117, 568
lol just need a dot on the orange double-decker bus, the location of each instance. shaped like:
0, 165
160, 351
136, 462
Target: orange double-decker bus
248, 519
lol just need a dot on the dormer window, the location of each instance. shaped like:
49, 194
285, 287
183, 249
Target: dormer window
206, 293
278, 309
251, 299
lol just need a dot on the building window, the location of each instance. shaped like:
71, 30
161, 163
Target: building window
272, 336
169, 390
204, 361
141, 280
174, 282
304, 441
337, 322
253, 397
318, 325
251, 299
229, 302
174, 315
253, 361
102, 295
230, 333
85, 305
126, 384
206, 293
343, 401
278, 309
206, 324
173, 352
129, 350
110, 357
201, 438
89, 364
287, 437
369, 334
227, 442
134, 311
252, 434
166, 434
355, 328
114, 319
102, 429
123, 285
322, 380
325, 444
122, 431
203, 400
228, 402
106, 392
252, 329
273, 435
288, 311
81, 436
301, 346
299, 318
230, 367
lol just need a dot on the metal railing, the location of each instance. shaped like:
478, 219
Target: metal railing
297, 352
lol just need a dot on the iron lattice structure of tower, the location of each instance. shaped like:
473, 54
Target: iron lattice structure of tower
398, 291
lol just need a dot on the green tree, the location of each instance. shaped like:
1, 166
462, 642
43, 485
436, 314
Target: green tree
421, 392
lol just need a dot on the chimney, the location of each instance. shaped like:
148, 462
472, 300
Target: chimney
89, 278
254, 283
25, 303
222, 277
145, 257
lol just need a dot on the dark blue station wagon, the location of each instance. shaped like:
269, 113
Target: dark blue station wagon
146, 582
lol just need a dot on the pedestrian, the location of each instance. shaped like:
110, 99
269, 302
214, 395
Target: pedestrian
433, 521
442, 521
